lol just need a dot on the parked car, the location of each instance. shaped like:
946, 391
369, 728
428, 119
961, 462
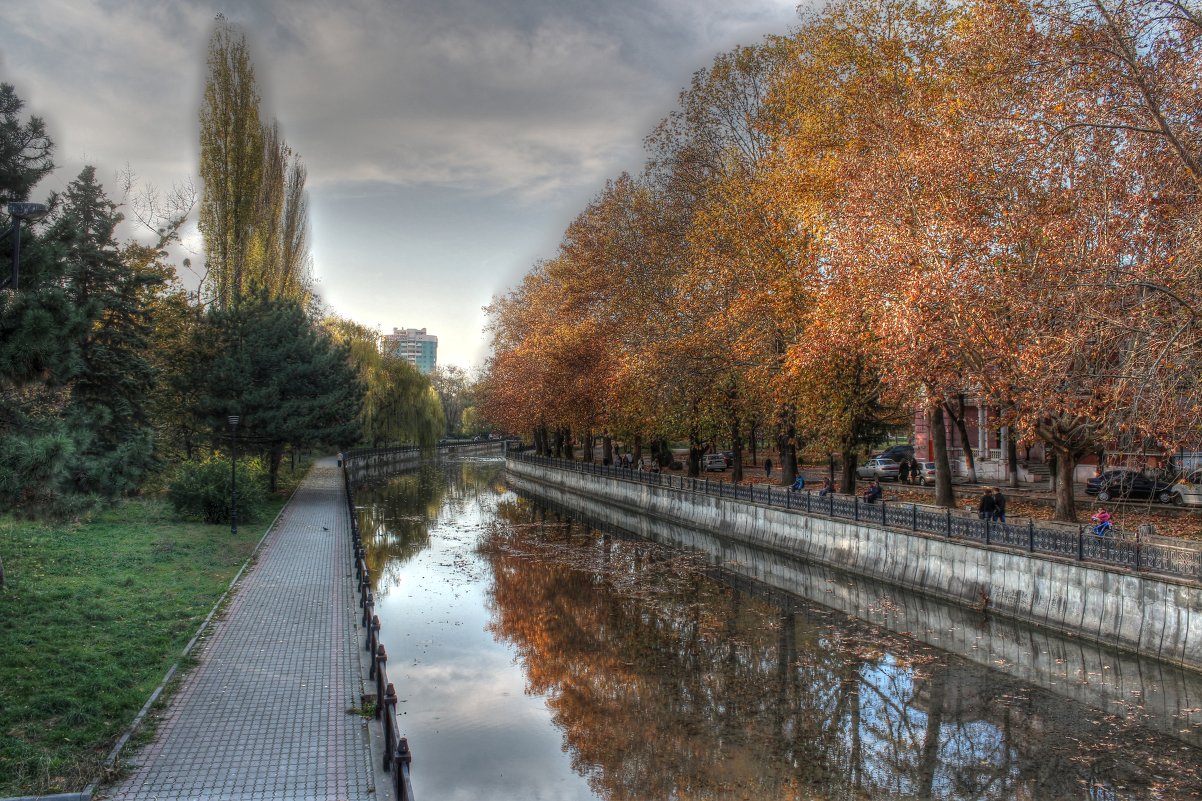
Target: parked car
926, 473
1188, 492
898, 452
713, 461
880, 467
1125, 483
729, 456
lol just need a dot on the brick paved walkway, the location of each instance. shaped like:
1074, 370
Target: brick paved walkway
264, 714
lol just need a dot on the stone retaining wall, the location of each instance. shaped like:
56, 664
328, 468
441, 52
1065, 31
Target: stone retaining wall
1152, 616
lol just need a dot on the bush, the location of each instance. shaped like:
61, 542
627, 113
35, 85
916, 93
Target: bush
201, 490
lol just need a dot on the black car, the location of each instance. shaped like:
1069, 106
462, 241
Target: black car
1128, 484
898, 452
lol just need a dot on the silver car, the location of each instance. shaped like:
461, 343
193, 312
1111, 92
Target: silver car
1188, 492
879, 467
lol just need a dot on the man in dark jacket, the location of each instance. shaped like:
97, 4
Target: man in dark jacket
999, 505
987, 506
873, 493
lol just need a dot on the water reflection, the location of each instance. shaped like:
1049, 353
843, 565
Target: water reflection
662, 676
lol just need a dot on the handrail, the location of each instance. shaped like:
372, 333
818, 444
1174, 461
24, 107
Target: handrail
356, 454
1178, 561
397, 756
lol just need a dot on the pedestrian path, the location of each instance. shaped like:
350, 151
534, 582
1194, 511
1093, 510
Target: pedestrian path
264, 713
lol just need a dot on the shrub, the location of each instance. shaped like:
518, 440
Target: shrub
201, 490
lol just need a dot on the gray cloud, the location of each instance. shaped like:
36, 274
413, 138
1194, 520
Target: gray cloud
515, 109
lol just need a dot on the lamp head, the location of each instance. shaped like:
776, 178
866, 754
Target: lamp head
28, 211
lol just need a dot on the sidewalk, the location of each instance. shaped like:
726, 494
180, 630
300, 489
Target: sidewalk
264, 713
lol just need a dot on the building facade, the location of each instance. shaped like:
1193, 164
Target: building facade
413, 345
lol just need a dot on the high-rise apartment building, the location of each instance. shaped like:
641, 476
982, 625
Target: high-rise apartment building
413, 345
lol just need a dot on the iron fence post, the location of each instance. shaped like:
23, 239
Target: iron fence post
914, 517
1030, 536
856, 512
949, 523
389, 702
381, 661
1080, 543
987, 531
404, 757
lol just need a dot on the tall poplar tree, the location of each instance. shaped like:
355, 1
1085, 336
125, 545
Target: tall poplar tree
231, 163
254, 213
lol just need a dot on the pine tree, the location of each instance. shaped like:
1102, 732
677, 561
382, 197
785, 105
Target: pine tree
286, 380
114, 289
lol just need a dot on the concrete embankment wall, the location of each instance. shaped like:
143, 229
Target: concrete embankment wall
1157, 617
365, 465
1165, 697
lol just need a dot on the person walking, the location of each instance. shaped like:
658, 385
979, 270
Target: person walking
999, 506
987, 506
903, 472
767, 468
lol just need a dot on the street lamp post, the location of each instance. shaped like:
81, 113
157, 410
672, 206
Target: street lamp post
234, 420
18, 212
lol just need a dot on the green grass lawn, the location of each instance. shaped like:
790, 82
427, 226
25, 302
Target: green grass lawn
93, 616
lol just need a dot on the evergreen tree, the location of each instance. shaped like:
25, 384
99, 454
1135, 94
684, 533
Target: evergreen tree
286, 380
114, 290
25, 149
39, 326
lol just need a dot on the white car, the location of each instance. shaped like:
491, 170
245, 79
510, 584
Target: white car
1189, 491
713, 461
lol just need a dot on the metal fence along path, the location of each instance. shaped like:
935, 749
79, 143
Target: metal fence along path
1180, 561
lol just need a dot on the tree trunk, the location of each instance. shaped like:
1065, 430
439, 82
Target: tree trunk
2, 579
736, 445
786, 445
944, 495
696, 449
277, 456
848, 482
607, 450
638, 449
1012, 456
586, 454
1066, 504
970, 463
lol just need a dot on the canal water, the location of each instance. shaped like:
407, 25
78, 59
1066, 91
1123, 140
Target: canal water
541, 656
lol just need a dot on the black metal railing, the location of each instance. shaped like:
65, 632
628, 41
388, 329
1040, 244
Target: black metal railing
1180, 561
397, 756
445, 446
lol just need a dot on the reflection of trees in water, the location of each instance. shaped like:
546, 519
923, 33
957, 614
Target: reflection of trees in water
669, 684
395, 514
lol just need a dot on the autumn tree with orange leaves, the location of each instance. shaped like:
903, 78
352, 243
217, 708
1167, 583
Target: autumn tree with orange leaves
900, 203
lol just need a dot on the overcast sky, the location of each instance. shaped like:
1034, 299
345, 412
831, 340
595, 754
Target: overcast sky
448, 142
